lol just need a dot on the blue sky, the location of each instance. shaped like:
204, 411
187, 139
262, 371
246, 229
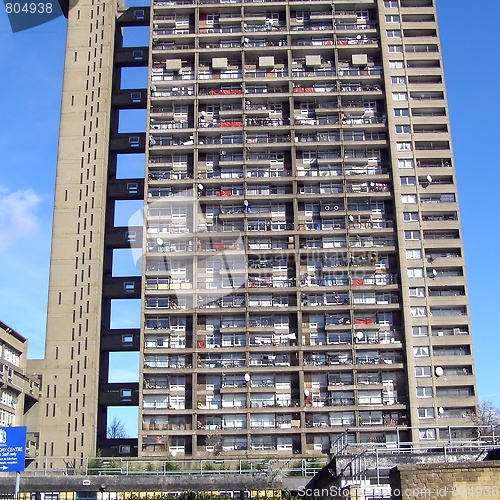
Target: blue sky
31, 65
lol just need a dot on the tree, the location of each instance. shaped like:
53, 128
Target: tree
215, 441
488, 415
116, 429
487, 420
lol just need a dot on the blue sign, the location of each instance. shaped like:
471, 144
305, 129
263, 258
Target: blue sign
12, 449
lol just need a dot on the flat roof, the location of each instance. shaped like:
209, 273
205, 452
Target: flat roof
13, 332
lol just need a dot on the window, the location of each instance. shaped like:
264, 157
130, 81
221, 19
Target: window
398, 112
391, 4
409, 198
412, 235
410, 217
422, 371
398, 80
395, 48
408, 181
134, 142
404, 146
420, 331
418, 311
11, 355
415, 272
399, 96
362, 14
417, 291
406, 163
421, 351
454, 392
426, 413
391, 19
427, 434
414, 253
396, 65
424, 392
402, 129
394, 33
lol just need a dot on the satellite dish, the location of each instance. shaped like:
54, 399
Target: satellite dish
223, 152
201, 187
246, 40
245, 202
359, 335
440, 410
351, 218
439, 371
159, 241
429, 178
434, 273
358, 37
306, 393
247, 377
203, 113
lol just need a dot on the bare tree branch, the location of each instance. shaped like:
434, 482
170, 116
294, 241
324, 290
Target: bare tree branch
116, 429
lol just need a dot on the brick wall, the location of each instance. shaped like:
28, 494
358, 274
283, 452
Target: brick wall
457, 481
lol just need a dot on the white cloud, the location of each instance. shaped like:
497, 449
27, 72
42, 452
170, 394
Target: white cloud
18, 215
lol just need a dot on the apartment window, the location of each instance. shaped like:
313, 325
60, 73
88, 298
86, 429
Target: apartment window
391, 19
402, 129
420, 331
393, 33
399, 96
391, 4
406, 163
418, 311
395, 48
417, 291
177, 382
422, 371
410, 216
409, 198
398, 80
412, 235
427, 434
424, 392
421, 351
426, 413
404, 146
408, 180
415, 272
212, 18
413, 253
396, 65
454, 392
401, 112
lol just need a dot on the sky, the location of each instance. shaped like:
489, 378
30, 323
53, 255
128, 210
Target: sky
31, 67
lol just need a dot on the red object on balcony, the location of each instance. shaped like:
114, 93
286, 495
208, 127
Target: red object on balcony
363, 321
358, 282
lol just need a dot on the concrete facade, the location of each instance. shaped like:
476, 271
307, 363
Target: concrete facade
301, 251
